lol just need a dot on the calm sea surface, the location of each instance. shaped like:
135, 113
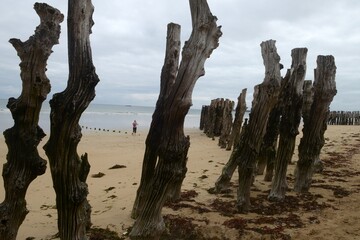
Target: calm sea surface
103, 116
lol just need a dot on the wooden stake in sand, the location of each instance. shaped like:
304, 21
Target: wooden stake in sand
239, 115
316, 122
245, 153
23, 161
217, 120
165, 158
267, 153
292, 101
250, 140
68, 170
226, 122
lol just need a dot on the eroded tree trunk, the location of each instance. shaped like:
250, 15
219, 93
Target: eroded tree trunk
219, 116
68, 170
23, 161
267, 153
203, 117
210, 120
226, 123
223, 182
308, 97
292, 101
307, 102
217, 119
250, 142
239, 115
154, 138
314, 129
164, 165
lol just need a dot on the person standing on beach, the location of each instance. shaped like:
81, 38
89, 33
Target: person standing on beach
134, 124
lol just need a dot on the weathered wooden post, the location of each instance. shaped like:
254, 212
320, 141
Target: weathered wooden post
219, 116
226, 123
245, 152
165, 158
219, 110
211, 118
23, 161
314, 128
203, 117
223, 181
68, 170
249, 145
153, 140
217, 119
308, 96
239, 115
267, 153
290, 119
357, 118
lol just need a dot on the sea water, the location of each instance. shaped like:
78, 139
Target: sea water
103, 116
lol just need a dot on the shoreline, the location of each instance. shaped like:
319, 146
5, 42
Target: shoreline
112, 117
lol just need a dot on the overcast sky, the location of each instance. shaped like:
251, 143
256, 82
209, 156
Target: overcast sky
128, 46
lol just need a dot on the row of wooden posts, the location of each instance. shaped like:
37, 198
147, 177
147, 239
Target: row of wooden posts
267, 140
344, 118
217, 119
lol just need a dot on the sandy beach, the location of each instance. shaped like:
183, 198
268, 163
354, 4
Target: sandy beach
330, 211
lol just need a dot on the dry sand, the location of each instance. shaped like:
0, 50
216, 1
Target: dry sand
330, 211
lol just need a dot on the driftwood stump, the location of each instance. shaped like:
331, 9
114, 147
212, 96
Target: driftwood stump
219, 116
23, 161
239, 115
292, 101
250, 142
165, 158
267, 153
203, 117
215, 118
153, 140
222, 183
68, 170
308, 96
210, 120
226, 123
316, 124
